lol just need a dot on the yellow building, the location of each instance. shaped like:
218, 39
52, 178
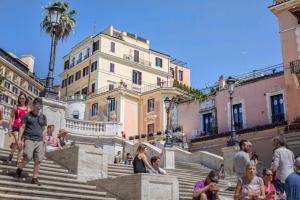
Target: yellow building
101, 62
18, 77
121, 79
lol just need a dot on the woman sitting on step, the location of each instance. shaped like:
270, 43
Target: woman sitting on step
207, 189
140, 161
250, 186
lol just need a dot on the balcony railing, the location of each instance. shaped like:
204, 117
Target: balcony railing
295, 67
75, 98
93, 128
141, 61
7, 109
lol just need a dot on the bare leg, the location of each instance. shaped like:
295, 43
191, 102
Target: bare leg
14, 146
36, 169
22, 164
203, 196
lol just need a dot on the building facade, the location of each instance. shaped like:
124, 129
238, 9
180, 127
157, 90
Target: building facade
115, 77
18, 77
288, 13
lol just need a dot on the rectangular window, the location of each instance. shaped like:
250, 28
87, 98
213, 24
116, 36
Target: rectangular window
93, 88
36, 92
84, 91
63, 83
66, 66
13, 102
7, 85
136, 77
111, 87
136, 56
112, 105
30, 88
79, 58
15, 90
95, 46
85, 71
87, 53
207, 123
94, 66
95, 109
158, 81
180, 75
150, 128
158, 62
237, 116
70, 79
78, 75
277, 107
112, 47
172, 72
112, 67
5, 98
150, 105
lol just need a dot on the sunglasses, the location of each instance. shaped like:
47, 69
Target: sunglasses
214, 181
269, 174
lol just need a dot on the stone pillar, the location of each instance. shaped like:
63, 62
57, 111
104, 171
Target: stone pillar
86, 161
228, 155
169, 158
55, 113
2, 136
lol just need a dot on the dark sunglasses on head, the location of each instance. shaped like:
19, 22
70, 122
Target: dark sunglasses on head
269, 174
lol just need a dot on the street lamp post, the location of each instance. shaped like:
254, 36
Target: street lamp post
54, 13
109, 98
230, 83
169, 142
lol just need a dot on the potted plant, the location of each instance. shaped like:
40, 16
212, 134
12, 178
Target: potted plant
143, 135
137, 137
131, 137
158, 133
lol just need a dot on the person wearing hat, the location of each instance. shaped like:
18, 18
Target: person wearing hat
293, 183
32, 129
241, 159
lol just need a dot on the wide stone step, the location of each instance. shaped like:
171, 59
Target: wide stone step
44, 172
31, 165
58, 195
46, 177
4, 196
129, 171
29, 186
53, 183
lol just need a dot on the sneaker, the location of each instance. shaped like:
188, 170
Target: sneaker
19, 173
35, 181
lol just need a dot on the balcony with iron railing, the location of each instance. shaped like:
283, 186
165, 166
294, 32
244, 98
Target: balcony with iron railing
140, 61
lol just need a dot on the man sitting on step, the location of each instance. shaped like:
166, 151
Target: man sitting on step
32, 128
155, 163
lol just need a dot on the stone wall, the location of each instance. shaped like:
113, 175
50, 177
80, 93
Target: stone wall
86, 161
140, 187
261, 140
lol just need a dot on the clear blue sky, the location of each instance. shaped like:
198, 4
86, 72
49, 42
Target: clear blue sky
213, 36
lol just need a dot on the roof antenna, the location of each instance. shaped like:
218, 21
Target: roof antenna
94, 28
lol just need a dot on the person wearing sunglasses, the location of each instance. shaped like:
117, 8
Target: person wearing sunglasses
270, 189
250, 187
207, 189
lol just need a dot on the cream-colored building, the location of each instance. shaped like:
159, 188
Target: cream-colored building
101, 62
121, 80
18, 77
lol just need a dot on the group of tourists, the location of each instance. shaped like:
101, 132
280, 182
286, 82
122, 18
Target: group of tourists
30, 137
278, 182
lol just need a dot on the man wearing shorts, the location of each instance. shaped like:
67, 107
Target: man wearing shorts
32, 128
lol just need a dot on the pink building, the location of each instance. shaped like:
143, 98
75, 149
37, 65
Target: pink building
257, 101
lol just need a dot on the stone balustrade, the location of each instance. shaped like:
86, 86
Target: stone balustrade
93, 128
6, 111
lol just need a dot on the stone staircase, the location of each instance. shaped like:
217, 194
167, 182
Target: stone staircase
293, 142
187, 173
56, 183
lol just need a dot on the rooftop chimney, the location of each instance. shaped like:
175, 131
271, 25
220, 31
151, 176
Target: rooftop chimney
29, 61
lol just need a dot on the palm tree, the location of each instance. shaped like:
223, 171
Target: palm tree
57, 32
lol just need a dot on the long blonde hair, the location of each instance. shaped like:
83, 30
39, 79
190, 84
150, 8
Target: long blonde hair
141, 148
